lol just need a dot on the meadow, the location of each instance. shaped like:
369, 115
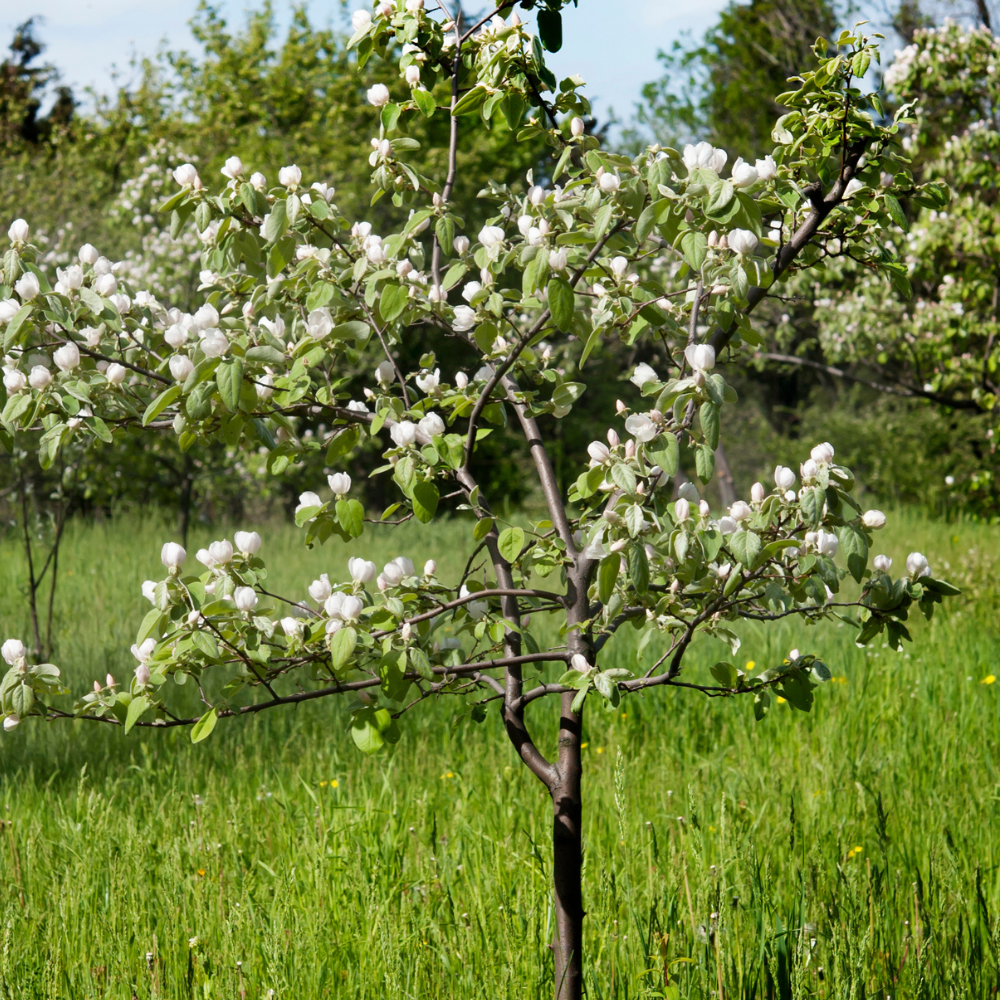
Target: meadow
850, 852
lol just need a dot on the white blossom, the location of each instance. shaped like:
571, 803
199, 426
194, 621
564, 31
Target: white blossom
247, 542
429, 381
378, 96
361, 570
361, 20
742, 241
187, 175
403, 433
320, 590
743, 174
882, 563
27, 286
432, 425
465, 319
245, 599
340, 483
290, 176
491, 236
172, 555
319, 323
180, 366
784, 478
641, 427
873, 519
701, 357
643, 373
13, 651
822, 453
308, 499
917, 565
766, 169
39, 377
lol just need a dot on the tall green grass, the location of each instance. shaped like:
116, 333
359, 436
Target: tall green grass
851, 852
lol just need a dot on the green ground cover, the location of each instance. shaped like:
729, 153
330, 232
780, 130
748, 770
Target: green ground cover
850, 852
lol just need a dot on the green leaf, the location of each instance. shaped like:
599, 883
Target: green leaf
562, 303
761, 703
425, 501
393, 302
664, 452
365, 732
277, 222
550, 29
725, 673
607, 576
720, 197
510, 543
638, 568
229, 378
623, 477
14, 326
694, 247
444, 229
351, 516
265, 355
709, 414
471, 102
22, 699
159, 404
811, 503
424, 100
854, 544
202, 729
342, 647
137, 706
746, 546
482, 528
602, 219
704, 462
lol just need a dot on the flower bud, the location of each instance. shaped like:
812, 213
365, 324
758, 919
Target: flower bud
292, 628
577, 127
873, 519
290, 177
430, 567
352, 607
579, 662
18, 231
558, 259
682, 509
808, 469
701, 357
172, 555
740, 511
742, 241
882, 563
378, 96
689, 492
39, 377
247, 542
88, 254
116, 373
233, 168
917, 565
109, 681
361, 20
245, 599
384, 373
340, 483
784, 478
13, 651
11, 721
822, 453
598, 452
27, 286
461, 380
187, 175
142, 674
460, 244
221, 552
757, 493
704, 509
180, 366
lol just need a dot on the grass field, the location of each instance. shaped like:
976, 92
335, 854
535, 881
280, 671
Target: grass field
852, 852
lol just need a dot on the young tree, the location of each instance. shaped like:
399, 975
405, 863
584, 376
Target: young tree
661, 247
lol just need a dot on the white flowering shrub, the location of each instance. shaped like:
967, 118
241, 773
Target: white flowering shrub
292, 292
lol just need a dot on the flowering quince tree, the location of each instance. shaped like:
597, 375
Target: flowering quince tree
935, 339
655, 248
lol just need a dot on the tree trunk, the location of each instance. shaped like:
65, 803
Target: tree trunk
567, 858
727, 488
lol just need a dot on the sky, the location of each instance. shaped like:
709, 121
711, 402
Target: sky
612, 44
